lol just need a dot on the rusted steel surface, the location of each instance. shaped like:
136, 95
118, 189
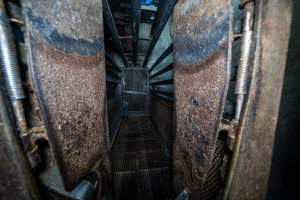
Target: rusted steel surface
201, 49
251, 162
16, 180
66, 54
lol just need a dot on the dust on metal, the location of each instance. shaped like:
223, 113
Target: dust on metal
66, 54
252, 155
201, 49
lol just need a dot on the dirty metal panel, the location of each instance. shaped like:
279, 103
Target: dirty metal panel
251, 163
66, 54
201, 49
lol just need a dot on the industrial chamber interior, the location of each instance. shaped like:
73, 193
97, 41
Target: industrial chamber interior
139, 99
139, 68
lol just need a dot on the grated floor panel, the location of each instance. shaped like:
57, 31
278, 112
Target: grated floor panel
141, 168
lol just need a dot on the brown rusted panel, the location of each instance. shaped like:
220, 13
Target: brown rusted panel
66, 54
250, 168
201, 48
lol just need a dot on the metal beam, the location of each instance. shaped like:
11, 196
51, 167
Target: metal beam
163, 96
111, 26
168, 8
114, 64
136, 18
163, 92
163, 82
157, 16
163, 70
167, 52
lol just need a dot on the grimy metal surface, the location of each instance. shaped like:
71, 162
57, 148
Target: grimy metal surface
251, 162
16, 180
66, 56
201, 49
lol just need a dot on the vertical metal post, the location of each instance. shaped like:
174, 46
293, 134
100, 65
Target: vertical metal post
242, 73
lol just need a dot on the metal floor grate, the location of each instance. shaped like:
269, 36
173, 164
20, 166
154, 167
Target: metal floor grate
140, 166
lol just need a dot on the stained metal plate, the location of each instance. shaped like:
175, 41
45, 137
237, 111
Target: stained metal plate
66, 54
201, 49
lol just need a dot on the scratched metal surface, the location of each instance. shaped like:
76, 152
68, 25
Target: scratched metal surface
201, 47
66, 56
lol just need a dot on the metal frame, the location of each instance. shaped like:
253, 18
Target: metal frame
167, 11
110, 23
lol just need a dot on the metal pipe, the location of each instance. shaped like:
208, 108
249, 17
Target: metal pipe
86, 189
8, 56
11, 69
243, 68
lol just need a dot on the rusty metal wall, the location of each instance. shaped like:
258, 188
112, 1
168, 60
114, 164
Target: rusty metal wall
66, 58
201, 64
250, 168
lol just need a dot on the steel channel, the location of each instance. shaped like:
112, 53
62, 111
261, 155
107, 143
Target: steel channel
167, 52
168, 9
114, 64
163, 70
110, 24
163, 82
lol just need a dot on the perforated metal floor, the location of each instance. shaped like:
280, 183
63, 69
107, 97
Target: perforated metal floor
140, 163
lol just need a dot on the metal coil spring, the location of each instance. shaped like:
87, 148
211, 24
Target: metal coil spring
8, 59
242, 75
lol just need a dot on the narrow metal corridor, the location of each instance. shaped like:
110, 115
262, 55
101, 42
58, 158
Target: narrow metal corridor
139, 73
